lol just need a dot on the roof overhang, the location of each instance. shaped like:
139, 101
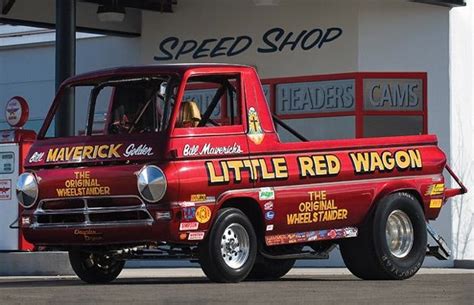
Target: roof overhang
448, 3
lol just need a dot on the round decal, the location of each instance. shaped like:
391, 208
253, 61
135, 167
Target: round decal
16, 111
203, 214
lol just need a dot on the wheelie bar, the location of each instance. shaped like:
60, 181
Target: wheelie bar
442, 251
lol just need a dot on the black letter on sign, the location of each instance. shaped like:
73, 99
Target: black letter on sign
272, 47
328, 38
202, 48
312, 44
232, 51
219, 47
174, 42
183, 50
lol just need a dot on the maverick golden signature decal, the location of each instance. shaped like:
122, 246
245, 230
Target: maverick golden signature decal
82, 185
312, 166
92, 152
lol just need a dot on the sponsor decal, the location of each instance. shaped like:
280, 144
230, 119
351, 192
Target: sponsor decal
183, 236
316, 209
208, 149
188, 226
198, 197
89, 234
301, 237
371, 162
196, 236
203, 214
82, 184
36, 157
269, 228
80, 153
140, 150
268, 206
5, 189
266, 193
185, 204
255, 133
189, 213
436, 203
269, 215
435, 189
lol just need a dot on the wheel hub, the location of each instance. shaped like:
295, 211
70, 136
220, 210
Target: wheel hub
399, 234
235, 246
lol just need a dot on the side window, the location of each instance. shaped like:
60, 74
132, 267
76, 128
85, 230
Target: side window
211, 101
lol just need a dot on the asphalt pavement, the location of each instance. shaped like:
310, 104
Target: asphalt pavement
189, 286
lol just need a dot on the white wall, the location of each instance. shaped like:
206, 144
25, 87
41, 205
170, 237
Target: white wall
406, 36
462, 127
29, 71
199, 20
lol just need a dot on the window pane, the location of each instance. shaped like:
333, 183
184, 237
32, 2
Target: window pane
378, 126
320, 128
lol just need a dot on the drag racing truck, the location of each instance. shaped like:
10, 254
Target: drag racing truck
156, 171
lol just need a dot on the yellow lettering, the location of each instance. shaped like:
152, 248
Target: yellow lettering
52, 155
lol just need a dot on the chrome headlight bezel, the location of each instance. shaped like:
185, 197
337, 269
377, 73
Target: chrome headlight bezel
27, 189
151, 183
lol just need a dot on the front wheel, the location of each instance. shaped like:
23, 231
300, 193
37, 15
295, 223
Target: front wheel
94, 268
228, 253
392, 245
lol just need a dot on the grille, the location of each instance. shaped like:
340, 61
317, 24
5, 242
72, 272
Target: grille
91, 211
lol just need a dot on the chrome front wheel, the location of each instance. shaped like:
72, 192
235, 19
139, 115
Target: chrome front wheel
235, 246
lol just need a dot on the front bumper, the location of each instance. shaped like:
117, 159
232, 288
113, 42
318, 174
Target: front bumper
94, 221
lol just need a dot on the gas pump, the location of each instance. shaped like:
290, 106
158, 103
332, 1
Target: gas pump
14, 145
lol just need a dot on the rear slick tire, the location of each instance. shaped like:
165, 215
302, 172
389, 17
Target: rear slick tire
228, 253
95, 268
392, 245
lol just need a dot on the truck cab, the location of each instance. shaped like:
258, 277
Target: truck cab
183, 161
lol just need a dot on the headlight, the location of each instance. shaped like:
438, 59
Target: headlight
27, 190
151, 183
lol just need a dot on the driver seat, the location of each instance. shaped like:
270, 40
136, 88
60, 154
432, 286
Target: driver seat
189, 114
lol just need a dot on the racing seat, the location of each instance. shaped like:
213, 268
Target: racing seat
189, 114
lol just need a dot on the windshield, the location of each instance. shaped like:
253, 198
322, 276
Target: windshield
121, 106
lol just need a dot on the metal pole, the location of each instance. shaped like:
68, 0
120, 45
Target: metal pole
65, 64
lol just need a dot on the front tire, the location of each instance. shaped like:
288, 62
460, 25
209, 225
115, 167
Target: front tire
392, 245
94, 268
228, 253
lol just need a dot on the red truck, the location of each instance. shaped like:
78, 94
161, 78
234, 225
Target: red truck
166, 175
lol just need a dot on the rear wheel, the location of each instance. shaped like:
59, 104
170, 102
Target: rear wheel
228, 253
94, 267
392, 245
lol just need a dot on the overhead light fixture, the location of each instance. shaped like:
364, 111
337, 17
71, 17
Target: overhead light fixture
112, 12
266, 2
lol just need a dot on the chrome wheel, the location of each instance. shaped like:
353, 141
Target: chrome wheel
399, 233
235, 246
